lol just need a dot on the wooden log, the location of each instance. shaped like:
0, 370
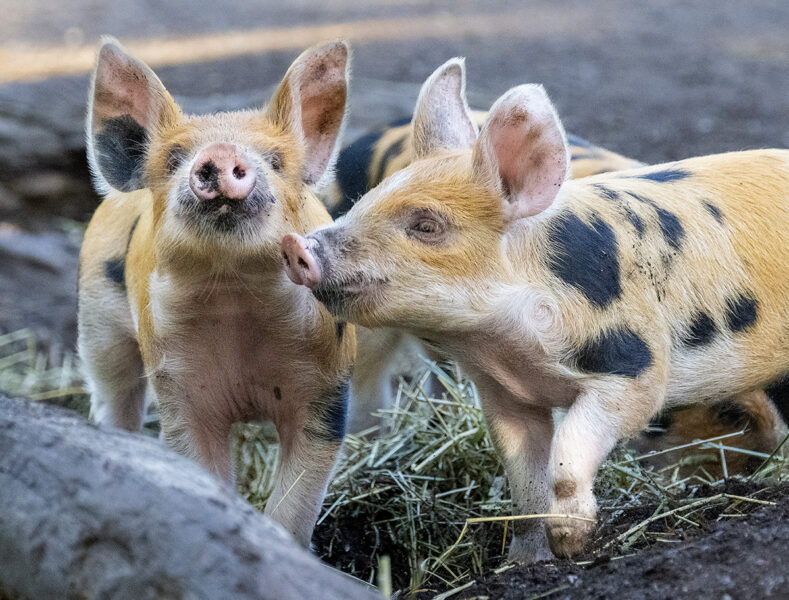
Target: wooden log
92, 512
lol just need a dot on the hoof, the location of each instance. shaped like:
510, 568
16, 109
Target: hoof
568, 537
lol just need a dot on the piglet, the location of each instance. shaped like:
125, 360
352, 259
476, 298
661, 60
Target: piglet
612, 296
181, 288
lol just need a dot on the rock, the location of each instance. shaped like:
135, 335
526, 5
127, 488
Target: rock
92, 512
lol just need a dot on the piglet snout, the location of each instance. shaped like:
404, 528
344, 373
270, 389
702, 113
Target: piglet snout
301, 265
224, 170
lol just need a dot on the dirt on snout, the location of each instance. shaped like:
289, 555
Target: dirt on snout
731, 558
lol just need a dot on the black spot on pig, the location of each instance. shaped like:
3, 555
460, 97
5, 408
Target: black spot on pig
778, 391
670, 227
352, 171
701, 331
392, 151
615, 352
120, 146
353, 167
606, 193
115, 268
741, 312
664, 176
585, 257
636, 221
331, 413
714, 211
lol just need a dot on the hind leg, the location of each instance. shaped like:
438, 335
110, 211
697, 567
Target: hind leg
110, 356
114, 373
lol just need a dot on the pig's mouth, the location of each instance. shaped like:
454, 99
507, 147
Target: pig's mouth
222, 215
341, 297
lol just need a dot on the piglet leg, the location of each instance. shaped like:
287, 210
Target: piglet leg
593, 425
523, 440
306, 463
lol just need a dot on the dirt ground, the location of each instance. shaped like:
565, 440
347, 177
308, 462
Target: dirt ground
729, 557
657, 81
733, 558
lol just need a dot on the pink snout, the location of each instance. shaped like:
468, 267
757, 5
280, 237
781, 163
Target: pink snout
222, 169
301, 265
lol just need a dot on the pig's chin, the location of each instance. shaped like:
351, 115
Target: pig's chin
348, 300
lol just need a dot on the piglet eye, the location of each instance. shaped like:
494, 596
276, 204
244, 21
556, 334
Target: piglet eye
428, 227
277, 161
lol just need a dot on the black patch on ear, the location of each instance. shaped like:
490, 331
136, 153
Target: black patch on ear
741, 312
714, 211
115, 271
120, 146
615, 352
586, 257
778, 392
664, 176
115, 268
353, 171
340, 329
394, 150
701, 332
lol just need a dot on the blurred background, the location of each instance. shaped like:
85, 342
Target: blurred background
656, 81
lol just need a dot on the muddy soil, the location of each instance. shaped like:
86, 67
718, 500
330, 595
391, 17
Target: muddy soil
732, 558
727, 557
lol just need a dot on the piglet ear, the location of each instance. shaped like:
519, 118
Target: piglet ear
442, 119
310, 102
127, 102
522, 151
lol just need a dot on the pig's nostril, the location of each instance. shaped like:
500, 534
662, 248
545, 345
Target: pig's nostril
303, 263
207, 172
238, 172
285, 256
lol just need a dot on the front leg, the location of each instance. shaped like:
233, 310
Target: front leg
201, 434
308, 455
522, 437
604, 413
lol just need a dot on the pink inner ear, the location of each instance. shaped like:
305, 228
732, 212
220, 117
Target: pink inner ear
122, 87
531, 157
323, 92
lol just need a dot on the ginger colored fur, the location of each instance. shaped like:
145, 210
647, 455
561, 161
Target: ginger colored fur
204, 318
383, 351
613, 296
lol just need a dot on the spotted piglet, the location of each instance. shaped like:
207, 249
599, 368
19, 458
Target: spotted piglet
181, 282
611, 296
